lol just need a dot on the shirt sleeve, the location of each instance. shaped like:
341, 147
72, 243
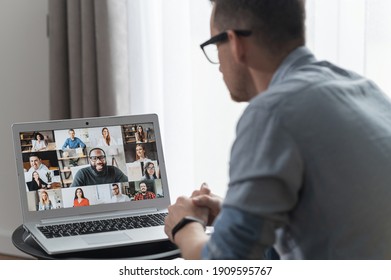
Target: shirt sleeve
120, 176
266, 172
81, 143
78, 179
238, 235
65, 144
266, 168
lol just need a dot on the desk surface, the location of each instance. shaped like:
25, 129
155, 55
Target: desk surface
157, 250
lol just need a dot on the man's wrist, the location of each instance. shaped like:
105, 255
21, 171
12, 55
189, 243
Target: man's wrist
185, 221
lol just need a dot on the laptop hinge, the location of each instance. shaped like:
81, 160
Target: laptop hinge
87, 217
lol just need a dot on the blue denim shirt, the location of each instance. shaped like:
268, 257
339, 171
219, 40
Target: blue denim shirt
73, 144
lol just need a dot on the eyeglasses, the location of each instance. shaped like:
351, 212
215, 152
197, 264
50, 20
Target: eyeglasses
210, 47
151, 168
94, 158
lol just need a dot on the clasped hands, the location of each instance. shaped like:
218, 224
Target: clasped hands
202, 205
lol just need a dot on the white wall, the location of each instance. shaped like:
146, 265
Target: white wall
24, 95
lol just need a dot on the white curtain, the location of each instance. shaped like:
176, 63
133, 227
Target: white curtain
354, 34
170, 76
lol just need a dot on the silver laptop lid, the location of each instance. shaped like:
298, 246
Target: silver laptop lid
90, 166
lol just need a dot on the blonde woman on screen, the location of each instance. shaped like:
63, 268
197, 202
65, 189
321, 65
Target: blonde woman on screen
44, 202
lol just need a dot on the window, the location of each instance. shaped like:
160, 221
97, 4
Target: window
171, 77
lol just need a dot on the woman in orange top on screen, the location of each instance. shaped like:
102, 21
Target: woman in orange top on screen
80, 200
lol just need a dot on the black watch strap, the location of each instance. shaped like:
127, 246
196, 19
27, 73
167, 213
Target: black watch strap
185, 220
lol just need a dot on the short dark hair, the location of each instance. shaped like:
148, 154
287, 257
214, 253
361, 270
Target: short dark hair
34, 155
274, 22
94, 149
143, 182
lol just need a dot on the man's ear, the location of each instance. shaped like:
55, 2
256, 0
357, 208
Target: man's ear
237, 47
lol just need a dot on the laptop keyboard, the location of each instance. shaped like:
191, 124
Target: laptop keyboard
71, 229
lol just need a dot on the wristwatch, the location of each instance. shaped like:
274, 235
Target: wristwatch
186, 220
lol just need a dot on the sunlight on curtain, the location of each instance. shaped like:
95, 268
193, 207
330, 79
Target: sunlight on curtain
170, 76
353, 34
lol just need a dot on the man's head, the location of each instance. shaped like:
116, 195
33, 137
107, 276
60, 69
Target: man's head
253, 37
97, 159
115, 189
71, 133
143, 187
35, 161
273, 23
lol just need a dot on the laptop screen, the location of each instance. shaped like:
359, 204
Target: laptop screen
86, 166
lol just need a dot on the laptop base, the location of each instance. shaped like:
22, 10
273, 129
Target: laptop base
159, 250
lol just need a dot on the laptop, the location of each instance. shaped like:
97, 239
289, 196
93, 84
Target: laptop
92, 183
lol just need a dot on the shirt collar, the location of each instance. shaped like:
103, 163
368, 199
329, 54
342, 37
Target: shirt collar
298, 57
